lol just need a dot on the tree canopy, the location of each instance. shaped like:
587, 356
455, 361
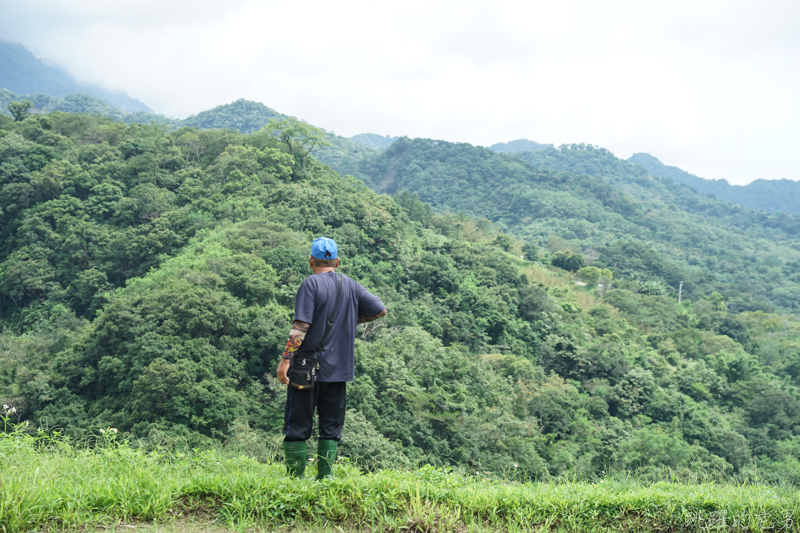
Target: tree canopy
299, 139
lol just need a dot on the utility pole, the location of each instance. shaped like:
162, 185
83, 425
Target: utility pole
680, 292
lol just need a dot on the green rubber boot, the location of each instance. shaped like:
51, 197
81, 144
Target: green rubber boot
295, 457
326, 456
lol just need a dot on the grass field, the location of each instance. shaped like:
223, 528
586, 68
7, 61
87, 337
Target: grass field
47, 483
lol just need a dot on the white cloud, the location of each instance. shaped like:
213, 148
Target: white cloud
705, 86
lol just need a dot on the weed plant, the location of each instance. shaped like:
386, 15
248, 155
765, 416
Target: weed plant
49, 481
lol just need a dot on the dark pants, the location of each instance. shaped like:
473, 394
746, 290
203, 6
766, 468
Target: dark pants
329, 399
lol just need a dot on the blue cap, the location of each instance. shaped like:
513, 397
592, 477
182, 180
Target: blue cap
324, 248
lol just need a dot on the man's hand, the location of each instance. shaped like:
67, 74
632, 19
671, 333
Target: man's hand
363, 319
283, 369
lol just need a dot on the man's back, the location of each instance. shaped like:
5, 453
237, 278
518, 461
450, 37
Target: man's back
314, 304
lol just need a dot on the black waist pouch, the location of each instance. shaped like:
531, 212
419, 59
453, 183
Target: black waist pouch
303, 372
303, 369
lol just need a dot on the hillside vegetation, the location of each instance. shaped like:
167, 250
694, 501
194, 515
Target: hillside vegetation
147, 279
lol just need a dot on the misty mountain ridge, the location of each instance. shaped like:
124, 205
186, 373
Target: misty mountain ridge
373, 140
764, 195
51, 89
79, 103
519, 145
22, 73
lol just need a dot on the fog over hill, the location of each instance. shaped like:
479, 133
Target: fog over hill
22, 73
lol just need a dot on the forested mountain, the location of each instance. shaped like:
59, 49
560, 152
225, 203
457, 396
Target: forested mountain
22, 73
584, 199
242, 115
520, 145
765, 195
147, 279
246, 116
373, 140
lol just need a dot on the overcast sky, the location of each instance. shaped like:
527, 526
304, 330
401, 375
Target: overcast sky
711, 87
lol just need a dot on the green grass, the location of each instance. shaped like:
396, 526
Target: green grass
48, 483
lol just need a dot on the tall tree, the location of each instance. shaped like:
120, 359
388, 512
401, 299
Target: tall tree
19, 110
299, 138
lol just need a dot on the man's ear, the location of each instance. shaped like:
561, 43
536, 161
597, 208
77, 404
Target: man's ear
311, 262
337, 263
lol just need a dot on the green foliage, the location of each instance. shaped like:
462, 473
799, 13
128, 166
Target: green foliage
19, 110
417, 210
83, 102
568, 260
299, 138
653, 288
503, 242
591, 275
530, 251
242, 115
520, 145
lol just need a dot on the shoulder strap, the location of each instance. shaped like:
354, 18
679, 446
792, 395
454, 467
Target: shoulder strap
333, 313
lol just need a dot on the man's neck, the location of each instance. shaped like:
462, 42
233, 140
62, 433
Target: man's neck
322, 270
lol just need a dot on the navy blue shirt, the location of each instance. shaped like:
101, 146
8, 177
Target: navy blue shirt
314, 304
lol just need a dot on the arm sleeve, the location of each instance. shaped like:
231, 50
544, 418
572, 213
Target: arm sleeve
368, 303
304, 303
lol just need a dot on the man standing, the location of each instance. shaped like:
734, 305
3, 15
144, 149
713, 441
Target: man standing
320, 349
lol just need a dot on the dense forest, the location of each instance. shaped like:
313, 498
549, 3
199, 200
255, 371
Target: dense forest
147, 278
763, 195
242, 115
585, 200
